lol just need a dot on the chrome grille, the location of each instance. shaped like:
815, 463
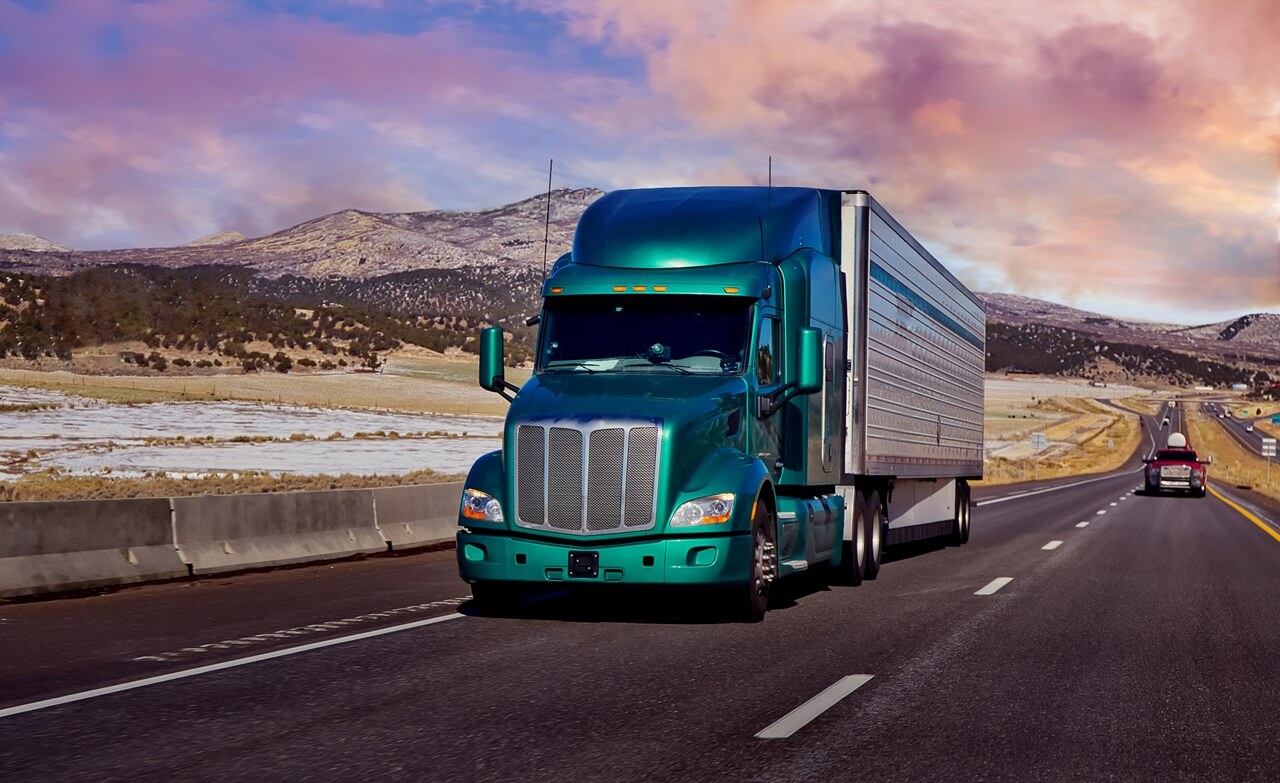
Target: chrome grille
593, 478
531, 493
1175, 471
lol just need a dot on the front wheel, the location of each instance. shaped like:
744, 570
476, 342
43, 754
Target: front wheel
753, 600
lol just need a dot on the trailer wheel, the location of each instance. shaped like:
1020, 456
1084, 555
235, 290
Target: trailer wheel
956, 538
854, 561
873, 517
753, 600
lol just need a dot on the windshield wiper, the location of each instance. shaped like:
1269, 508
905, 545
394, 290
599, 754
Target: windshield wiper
570, 367
650, 365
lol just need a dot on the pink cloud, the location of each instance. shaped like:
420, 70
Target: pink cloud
1036, 144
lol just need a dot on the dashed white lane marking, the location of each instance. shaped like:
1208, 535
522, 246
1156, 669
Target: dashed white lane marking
1083, 524
1113, 505
995, 585
1052, 545
1100, 512
302, 630
800, 717
214, 667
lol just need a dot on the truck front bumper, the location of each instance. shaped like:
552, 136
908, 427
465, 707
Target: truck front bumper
711, 560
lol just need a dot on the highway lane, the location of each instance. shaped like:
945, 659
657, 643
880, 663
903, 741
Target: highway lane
1140, 647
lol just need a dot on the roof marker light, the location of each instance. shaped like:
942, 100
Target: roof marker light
556, 290
639, 288
731, 289
660, 288
619, 288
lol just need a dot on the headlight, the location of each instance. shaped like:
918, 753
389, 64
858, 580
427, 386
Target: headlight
480, 505
709, 510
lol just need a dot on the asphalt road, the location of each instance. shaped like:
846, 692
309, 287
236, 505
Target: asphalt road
1135, 639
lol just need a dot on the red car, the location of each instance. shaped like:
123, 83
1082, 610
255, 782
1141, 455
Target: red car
1177, 468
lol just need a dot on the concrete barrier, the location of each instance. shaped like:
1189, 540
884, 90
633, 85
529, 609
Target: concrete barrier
417, 515
74, 544
230, 532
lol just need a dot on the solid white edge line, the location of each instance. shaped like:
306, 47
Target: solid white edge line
214, 667
992, 501
801, 716
995, 585
1052, 545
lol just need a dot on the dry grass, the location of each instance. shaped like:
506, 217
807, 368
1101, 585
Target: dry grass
1231, 463
49, 487
427, 385
1088, 431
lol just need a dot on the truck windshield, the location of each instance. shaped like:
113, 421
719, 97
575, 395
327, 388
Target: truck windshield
670, 333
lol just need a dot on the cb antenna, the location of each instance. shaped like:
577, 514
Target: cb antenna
546, 234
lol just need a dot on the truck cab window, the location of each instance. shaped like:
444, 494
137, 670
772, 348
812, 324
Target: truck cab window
768, 357
676, 334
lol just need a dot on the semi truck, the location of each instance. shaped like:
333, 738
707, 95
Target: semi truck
731, 385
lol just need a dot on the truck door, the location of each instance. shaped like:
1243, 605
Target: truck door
766, 431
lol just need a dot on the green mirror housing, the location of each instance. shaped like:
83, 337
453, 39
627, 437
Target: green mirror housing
492, 360
809, 362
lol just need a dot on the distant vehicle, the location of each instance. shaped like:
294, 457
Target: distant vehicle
1177, 468
1165, 423
1249, 428
1173, 404
1222, 415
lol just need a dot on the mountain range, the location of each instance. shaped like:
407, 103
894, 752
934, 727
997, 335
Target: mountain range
487, 264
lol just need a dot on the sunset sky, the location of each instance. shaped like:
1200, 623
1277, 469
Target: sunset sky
1115, 155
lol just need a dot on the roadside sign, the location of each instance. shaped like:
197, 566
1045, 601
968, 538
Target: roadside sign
1111, 444
1037, 440
1268, 447
1275, 419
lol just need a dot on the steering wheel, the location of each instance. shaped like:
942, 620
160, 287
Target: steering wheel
721, 355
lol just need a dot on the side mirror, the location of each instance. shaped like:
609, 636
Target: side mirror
493, 358
809, 362
1208, 460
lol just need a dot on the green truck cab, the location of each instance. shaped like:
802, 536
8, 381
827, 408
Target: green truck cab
699, 413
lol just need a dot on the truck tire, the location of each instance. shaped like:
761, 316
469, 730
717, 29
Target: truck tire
753, 600
873, 516
957, 536
854, 560
968, 511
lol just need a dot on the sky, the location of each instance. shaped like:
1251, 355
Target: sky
1121, 156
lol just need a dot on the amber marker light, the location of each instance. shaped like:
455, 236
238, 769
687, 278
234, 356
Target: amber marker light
556, 290
639, 288
662, 289
619, 288
731, 289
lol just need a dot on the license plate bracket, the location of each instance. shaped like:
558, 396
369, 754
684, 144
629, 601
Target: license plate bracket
584, 565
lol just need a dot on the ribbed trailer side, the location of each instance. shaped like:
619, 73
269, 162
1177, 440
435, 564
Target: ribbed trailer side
918, 351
